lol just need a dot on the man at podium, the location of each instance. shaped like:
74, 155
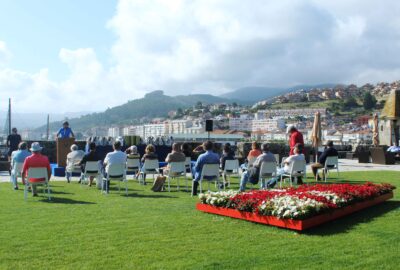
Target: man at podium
65, 132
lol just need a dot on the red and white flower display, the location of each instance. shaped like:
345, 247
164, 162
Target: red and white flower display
296, 203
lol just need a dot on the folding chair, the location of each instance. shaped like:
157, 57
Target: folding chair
297, 169
76, 169
176, 170
16, 171
250, 162
132, 166
209, 171
116, 172
92, 169
276, 158
331, 163
268, 169
282, 164
231, 168
150, 166
37, 173
188, 165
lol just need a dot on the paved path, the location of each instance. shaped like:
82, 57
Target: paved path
345, 165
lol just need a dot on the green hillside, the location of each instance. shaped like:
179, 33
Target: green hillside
154, 104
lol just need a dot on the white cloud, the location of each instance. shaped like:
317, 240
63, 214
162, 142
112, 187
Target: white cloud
214, 46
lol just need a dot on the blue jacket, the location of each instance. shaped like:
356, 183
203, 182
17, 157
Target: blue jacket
208, 157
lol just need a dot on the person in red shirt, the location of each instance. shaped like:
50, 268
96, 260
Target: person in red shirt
36, 160
295, 137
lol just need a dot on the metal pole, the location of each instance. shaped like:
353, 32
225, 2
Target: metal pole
9, 116
48, 127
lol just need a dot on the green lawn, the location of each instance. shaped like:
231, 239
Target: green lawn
82, 229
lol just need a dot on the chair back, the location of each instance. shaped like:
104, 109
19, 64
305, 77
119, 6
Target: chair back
268, 168
17, 168
116, 169
151, 165
210, 170
38, 173
251, 161
276, 158
283, 159
332, 162
298, 166
188, 162
92, 167
177, 167
231, 165
132, 164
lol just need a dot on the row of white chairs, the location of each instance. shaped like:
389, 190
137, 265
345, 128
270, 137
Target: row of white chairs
175, 171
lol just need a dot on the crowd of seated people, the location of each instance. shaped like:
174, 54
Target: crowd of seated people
203, 154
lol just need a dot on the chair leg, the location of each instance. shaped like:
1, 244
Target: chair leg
49, 191
126, 186
26, 191
169, 184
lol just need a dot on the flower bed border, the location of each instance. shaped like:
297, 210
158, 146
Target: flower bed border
294, 224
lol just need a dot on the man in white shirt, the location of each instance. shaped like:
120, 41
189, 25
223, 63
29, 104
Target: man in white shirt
73, 158
115, 157
298, 148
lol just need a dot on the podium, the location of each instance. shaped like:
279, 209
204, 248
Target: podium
63, 148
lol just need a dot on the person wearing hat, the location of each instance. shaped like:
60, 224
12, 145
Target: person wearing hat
73, 158
36, 160
295, 137
65, 131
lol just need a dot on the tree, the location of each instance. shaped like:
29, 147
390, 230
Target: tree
349, 103
369, 101
199, 105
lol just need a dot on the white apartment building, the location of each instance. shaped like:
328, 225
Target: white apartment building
254, 125
267, 124
286, 113
280, 136
115, 132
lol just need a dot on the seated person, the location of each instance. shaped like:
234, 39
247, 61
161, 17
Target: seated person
329, 151
255, 151
185, 149
115, 157
36, 160
209, 157
298, 148
18, 156
253, 173
91, 156
73, 158
132, 152
175, 156
150, 155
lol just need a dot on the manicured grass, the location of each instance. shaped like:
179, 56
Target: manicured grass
82, 229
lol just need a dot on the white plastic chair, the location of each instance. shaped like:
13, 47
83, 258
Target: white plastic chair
38, 173
297, 169
250, 162
133, 165
176, 170
188, 165
231, 168
92, 168
150, 166
209, 170
76, 169
268, 169
331, 163
282, 164
16, 171
116, 172
276, 158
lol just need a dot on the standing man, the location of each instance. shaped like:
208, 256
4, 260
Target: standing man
295, 137
13, 141
65, 131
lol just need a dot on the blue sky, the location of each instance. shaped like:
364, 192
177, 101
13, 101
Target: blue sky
87, 55
36, 30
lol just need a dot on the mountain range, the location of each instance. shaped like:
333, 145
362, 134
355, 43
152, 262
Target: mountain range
157, 104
